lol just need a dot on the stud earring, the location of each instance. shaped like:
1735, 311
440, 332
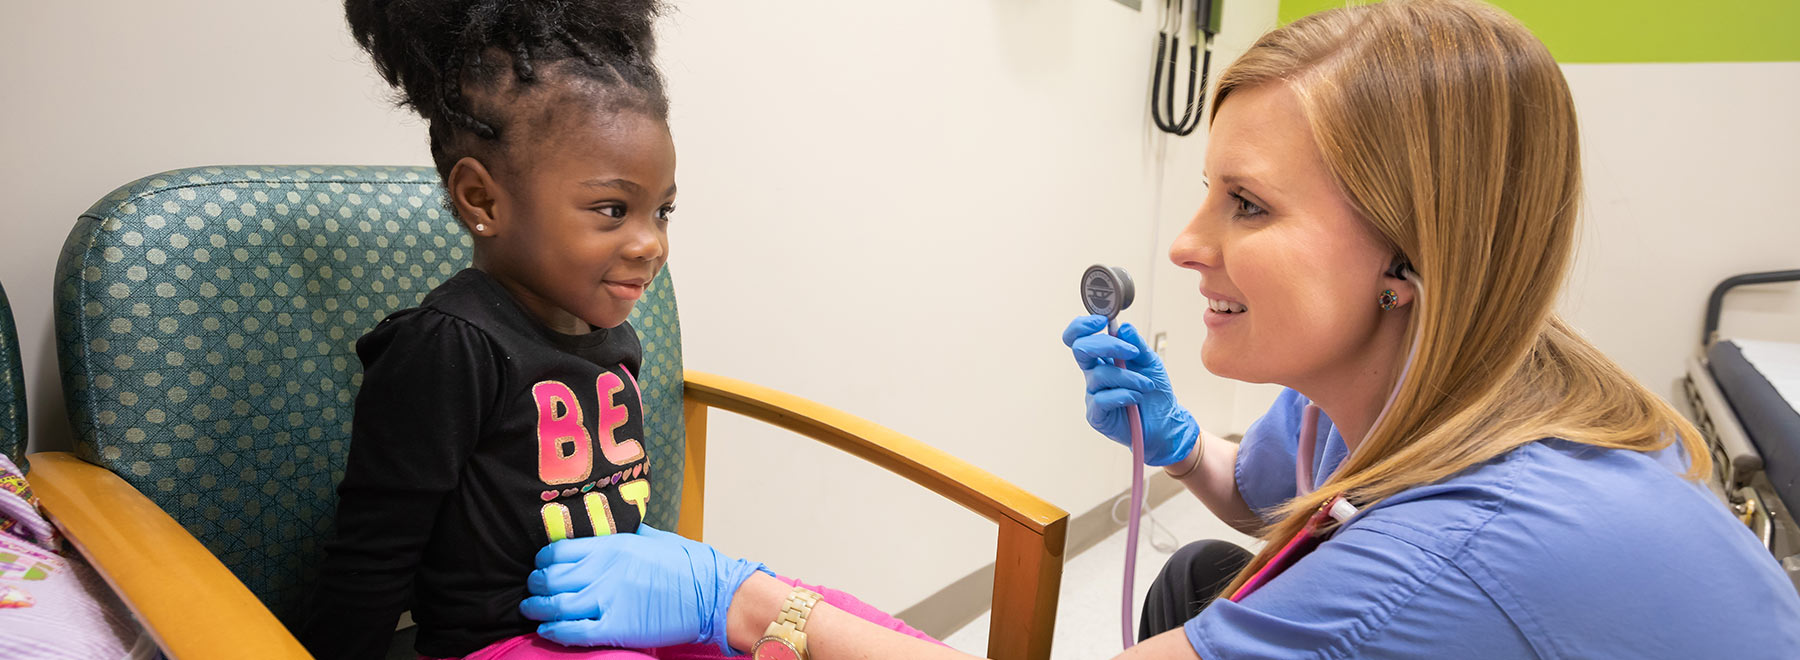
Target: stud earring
1389, 300
480, 227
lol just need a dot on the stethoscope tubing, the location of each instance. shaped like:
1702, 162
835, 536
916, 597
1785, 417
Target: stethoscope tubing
1137, 507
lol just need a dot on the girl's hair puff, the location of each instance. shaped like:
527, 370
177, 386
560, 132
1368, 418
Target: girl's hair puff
453, 60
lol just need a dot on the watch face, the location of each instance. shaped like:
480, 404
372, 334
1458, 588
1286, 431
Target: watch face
771, 648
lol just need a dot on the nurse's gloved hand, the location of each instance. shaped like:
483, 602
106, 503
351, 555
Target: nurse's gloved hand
645, 590
1169, 431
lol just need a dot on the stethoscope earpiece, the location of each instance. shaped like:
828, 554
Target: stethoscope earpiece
1400, 268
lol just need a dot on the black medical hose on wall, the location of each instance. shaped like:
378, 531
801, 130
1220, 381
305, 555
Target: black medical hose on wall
1168, 54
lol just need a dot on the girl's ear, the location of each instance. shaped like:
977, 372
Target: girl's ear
475, 195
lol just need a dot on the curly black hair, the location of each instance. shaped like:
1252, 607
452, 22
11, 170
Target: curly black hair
461, 64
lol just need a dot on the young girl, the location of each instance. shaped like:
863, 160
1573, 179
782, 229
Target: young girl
502, 414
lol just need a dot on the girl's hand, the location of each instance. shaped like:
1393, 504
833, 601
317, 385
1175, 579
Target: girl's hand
645, 590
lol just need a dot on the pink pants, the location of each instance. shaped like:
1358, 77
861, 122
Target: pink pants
533, 647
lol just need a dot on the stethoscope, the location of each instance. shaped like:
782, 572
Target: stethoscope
1107, 291
1168, 53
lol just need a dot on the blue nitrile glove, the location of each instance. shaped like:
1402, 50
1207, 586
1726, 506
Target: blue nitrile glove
645, 590
1169, 431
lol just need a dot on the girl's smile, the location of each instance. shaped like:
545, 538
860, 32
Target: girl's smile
627, 289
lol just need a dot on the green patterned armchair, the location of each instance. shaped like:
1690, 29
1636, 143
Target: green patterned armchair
12, 385
206, 321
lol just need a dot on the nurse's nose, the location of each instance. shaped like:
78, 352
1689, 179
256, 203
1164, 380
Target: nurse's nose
1196, 247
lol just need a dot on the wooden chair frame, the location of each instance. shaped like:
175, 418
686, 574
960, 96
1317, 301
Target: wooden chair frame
197, 609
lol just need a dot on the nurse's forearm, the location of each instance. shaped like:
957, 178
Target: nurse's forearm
1214, 481
833, 634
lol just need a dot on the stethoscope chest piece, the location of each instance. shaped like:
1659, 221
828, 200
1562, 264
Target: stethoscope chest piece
1106, 291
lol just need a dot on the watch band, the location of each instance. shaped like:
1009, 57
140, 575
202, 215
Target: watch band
799, 605
789, 628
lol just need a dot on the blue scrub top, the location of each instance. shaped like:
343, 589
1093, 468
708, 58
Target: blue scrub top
1554, 550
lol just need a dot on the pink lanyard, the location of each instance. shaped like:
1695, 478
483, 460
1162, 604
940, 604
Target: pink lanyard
1302, 543
1309, 536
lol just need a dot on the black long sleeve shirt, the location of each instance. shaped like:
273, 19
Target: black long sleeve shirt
479, 436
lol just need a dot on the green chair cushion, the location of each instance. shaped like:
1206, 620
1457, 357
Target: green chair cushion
206, 322
12, 385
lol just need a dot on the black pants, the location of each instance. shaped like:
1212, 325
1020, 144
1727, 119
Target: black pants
1188, 583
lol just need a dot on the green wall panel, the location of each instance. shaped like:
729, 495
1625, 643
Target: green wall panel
1646, 30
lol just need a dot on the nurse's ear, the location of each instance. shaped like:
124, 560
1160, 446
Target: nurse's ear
1397, 281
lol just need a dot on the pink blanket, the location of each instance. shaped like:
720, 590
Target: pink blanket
533, 647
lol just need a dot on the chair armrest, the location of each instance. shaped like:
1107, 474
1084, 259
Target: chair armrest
190, 603
1028, 561
976, 489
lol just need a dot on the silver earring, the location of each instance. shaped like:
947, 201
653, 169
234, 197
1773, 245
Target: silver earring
480, 227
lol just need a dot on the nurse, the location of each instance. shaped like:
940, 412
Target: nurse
1392, 193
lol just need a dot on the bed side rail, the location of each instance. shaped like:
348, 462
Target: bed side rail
1714, 416
1717, 300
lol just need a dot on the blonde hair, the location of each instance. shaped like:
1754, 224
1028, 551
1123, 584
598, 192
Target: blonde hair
1452, 132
